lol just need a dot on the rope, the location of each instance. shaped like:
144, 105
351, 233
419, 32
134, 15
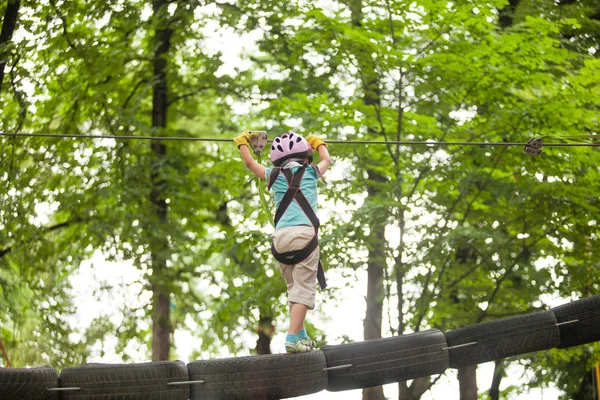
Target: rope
350, 142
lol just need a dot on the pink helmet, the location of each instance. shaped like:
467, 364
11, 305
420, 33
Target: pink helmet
289, 145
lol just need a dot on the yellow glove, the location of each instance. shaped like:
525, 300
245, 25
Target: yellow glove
315, 141
244, 138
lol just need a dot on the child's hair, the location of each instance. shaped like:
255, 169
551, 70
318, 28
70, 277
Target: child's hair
290, 145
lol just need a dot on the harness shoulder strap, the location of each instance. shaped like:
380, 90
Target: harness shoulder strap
318, 171
273, 176
293, 188
308, 210
294, 193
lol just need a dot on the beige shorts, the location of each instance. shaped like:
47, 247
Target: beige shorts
301, 278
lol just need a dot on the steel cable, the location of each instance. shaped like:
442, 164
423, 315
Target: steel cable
347, 142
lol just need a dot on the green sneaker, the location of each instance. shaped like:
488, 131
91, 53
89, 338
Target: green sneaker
308, 342
298, 347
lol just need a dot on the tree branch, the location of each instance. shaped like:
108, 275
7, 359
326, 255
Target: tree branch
492, 296
64, 25
18, 96
190, 94
134, 91
49, 229
425, 294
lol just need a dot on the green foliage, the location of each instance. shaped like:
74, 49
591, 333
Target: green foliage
471, 233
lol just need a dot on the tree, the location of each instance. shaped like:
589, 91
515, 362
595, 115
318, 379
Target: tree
106, 187
448, 236
476, 70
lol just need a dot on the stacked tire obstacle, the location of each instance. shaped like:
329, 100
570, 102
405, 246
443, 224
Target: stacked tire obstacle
333, 368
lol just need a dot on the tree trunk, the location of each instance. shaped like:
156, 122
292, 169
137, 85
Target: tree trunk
467, 380
161, 317
265, 334
9, 24
376, 243
506, 15
498, 375
373, 393
404, 391
375, 269
413, 392
5, 354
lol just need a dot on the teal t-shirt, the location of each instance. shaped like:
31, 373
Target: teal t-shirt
294, 215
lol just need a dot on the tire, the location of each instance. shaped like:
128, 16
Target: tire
145, 381
503, 338
586, 330
271, 377
381, 361
28, 383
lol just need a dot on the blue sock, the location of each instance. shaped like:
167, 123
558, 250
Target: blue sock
292, 338
302, 334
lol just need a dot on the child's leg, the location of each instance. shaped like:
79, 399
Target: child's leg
293, 342
302, 335
297, 316
290, 311
300, 280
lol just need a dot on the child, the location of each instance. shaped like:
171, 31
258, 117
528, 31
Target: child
295, 240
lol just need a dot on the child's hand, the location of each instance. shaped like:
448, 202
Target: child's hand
244, 138
315, 141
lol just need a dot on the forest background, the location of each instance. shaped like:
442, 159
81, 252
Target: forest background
424, 236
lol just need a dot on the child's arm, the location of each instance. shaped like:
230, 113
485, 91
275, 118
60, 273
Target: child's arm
325, 160
320, 146
252, 165
242, 142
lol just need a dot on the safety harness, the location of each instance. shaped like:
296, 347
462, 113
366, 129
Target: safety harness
295, 193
